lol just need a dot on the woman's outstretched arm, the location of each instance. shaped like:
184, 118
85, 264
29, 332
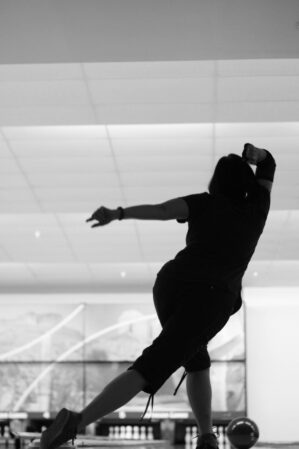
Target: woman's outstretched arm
169, 210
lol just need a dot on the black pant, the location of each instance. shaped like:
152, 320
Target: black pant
191, 314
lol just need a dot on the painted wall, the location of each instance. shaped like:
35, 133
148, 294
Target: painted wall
272, 335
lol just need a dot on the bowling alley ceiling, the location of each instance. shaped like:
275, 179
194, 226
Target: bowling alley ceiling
78, 135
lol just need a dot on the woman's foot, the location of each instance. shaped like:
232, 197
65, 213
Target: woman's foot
63, 428
207, 441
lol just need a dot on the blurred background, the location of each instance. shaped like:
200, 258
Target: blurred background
127, 102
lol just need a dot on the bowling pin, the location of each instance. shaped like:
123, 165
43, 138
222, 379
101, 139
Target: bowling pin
122, 432
188, 436
221, 439
116, 433
143, 433
129, 432
135, 433
150, 433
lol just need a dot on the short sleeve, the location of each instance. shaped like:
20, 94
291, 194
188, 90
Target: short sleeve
196, 203
238, 304
260, 199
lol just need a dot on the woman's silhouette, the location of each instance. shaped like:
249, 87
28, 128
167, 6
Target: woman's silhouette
194, 294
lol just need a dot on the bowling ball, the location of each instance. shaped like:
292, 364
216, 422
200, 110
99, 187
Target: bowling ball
242, 433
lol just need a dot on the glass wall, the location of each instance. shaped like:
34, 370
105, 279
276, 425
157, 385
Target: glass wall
56, 354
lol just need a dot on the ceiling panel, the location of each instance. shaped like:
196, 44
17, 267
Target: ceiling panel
53, 133
155, 113
272, 111
66, 93
16, 195
4, 150
290, 224
43, 116
42, 254
39, 72
168, 148
16, 273
150, 163
146, 195
153, 69
14, 180
108, 257
9, 167
162, 179
121, 272
53, 195
152, 90
72, 181
257, 130
79, 166
58, 149
30, 206
262, 88
162, 131
61, 272
257, 67
284, 202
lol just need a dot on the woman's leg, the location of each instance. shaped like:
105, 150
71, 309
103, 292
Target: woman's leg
200, 397
117, 393
127, 385
67, 424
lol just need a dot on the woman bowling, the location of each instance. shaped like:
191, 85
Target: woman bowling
194, 294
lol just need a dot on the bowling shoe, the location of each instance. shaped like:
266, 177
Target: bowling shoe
62, 429
207, 441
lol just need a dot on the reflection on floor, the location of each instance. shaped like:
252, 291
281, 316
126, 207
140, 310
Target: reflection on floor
28, 440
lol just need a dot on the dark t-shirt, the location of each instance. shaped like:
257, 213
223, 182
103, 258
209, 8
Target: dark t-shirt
221, 238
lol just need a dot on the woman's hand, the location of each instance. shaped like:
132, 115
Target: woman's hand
104, 216
252, 154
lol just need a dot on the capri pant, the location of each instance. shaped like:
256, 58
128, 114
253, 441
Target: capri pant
191, 313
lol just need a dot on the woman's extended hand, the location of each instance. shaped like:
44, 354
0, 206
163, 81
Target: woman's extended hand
252, 154
103, 215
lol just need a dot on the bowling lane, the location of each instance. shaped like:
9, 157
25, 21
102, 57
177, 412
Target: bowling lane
31, 441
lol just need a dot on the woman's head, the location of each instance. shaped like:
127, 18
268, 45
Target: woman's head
233, 177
